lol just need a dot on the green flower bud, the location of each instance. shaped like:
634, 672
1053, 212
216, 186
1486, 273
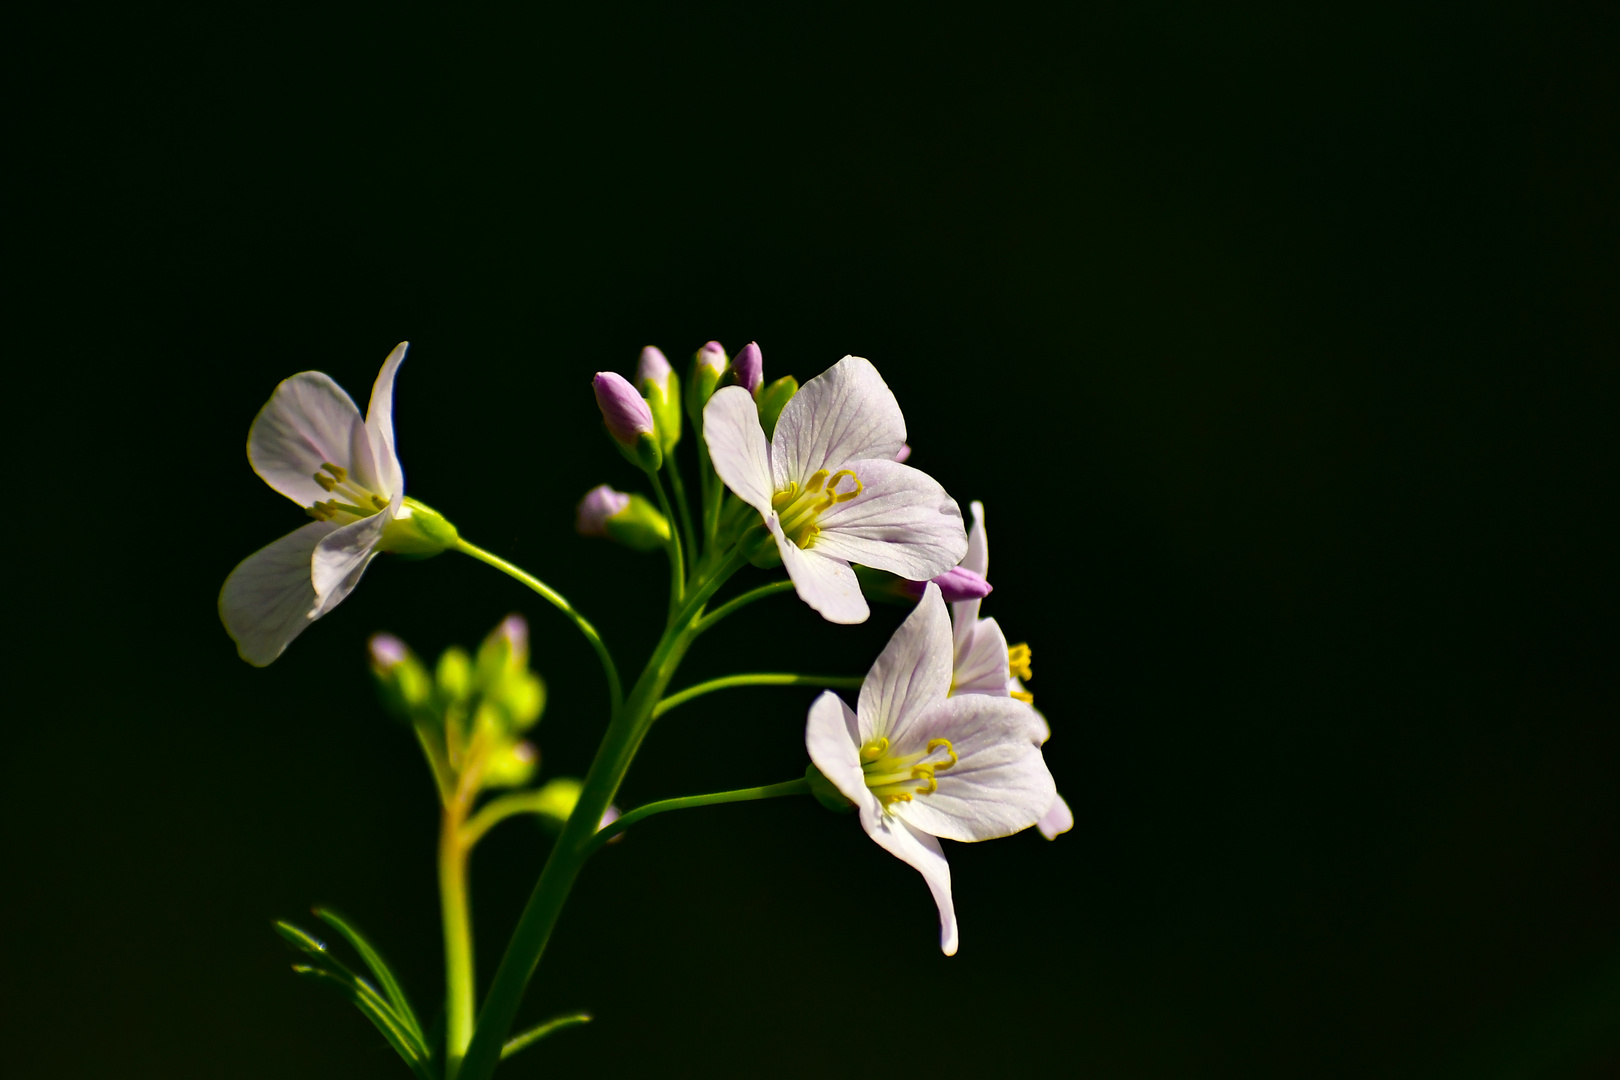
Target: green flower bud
708, 364
418, 532
771, 399
826, 793
511, 765
629, 519
402, 681
512, 693
658, 385
557, 800
454, 676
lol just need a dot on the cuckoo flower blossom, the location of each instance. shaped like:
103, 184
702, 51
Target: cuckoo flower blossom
829, 488
310, 444
984, 663
920, 765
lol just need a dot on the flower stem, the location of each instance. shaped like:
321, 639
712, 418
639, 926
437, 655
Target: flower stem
677, 567
801, 786
679, 488
845, 682
528, 801
738, 602
615, 691
458, 954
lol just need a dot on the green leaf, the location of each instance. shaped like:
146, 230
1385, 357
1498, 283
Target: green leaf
379, 1014
390, 985
535, 1034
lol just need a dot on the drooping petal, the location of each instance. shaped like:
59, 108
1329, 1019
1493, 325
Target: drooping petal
737, 446
1058, 820
902, 522
845, 414
981, 660
911, 675
308, 421
828, 585
266, 601
830, 734
342, 556
1043, 730
999, 784
923, 852
380, 423
977, 559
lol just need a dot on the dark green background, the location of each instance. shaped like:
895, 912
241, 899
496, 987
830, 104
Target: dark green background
1281, 347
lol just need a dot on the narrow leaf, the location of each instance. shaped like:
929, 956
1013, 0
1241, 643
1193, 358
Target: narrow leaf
381, 1018
354, 985
390, 985
535, 1034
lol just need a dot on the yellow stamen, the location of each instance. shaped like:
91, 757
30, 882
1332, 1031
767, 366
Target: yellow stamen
339, 473
874, 750
1018, 661
935, 744
1023, 695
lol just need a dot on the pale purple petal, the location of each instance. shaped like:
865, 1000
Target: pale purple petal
342, 556
1015, 686
599, 504
625, 412
737, 446
654, 368
911, 675
980, 665
955, 585
845, 414
267, 599
999, 784
831, 735
387, 651
827, 585
711, 356
380, 424
307, 422
922, 851
1057, 820
965, 612
748, 367
902, 522
903, 453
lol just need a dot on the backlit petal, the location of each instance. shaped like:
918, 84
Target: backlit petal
308, 420
981, 660
380, 423
343, 555
902, 522
830, 736
911, 675
1058, 820
845, 414
267, 599
999, 784
923, 852
737, 446
827, 585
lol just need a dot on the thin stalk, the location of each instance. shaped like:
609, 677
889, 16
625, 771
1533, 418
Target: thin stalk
615, 691
842, 682
458, 954
801, 786
677, 567
738, 602
712, 492
679, 487
494, 812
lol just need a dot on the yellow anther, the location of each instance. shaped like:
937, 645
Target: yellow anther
844, 496
379, 502
817, 478
325, 481
1023, 695
1018, 661
936, 744
874, 750
783, 498
890, 800
339, 473
925, 772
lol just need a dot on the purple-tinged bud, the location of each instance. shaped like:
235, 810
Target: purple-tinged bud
387, 651
623, 411
901, 455
654, 368
712, 357
404, 682
515, 629
708, 364
656, 381
748, 367
599, 504
956, 584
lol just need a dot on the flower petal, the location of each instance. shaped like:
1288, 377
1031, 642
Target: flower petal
845, 414
827, 585
737, 446
977, 559
380, 423
831, 736
999, 784
343, 555
307, 421
923, 852
902, 522
1043, 730
981, 660
912, 673
268, 599
1058, 820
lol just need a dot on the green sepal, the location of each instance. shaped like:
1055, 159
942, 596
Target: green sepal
768, 557
639, 526
826, 793
540, 1031
665, 403
418, 532
882, 587
700, 387
771, 399
645, 453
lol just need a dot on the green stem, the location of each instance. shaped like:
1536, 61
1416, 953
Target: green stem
677, 566
843, 682
736, 603
679, 488
615, 691
801, 786
458, 954
531, 801
713, 490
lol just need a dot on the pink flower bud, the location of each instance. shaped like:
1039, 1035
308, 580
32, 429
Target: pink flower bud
654, 368
599, 504
957, 583
901, 455
623, 411
748, 367
387, 651
712, 356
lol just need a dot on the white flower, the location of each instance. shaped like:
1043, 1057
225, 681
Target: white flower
829, 488
984, 663
310, 444
920, 765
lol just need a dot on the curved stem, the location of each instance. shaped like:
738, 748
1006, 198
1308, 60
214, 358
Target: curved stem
615, 691
686, 513
531, 801
843, 682
738, 602
677, 566
801, 786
